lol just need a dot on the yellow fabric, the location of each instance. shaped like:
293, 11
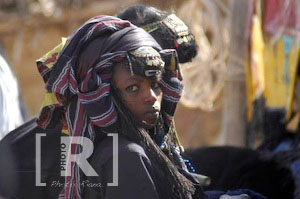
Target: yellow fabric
249, 91
255, 70
280, 74
257, 65
293, 123
272, 70
65, 131
50, 98
173, 64
49, 54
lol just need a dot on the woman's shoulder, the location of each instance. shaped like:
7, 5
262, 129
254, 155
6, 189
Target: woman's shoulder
124, 147
135, 176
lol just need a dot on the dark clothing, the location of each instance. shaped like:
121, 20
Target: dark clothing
232, 168
17, 167
239, 192
18, 159
135, 173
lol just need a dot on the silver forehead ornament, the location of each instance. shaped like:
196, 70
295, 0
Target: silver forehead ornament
150, 57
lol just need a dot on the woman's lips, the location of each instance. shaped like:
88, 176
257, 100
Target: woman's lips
151, 115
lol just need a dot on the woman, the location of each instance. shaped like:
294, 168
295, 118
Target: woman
112, 77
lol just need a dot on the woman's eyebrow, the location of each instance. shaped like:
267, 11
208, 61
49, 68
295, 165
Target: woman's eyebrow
135, 78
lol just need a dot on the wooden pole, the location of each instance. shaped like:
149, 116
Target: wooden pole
233, 125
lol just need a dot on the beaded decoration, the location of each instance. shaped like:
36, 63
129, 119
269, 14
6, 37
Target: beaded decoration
175, 26
145, 61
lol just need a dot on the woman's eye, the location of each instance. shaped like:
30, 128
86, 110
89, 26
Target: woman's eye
132, 88
155, 85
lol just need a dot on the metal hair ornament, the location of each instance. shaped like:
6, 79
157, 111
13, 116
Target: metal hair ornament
130, 65
145, 61
175, 26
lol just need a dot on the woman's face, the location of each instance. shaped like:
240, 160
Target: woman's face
141, 95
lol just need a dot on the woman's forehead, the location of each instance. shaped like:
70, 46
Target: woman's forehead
123, 74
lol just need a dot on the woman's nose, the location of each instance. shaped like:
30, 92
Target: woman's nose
150, 96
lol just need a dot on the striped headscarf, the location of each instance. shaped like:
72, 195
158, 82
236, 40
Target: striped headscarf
81, 100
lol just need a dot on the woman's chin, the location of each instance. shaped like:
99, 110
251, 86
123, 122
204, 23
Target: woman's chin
149, 124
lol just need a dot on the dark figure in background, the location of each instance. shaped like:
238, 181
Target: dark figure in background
166, 28
233, 168
281, 141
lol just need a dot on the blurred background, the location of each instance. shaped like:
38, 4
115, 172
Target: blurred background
213, 110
